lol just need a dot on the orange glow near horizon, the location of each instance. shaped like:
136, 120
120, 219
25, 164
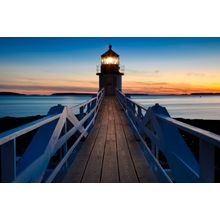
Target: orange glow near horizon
168, 88
149, 86
159, 82
172, 83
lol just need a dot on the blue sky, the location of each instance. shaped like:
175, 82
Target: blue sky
47, 65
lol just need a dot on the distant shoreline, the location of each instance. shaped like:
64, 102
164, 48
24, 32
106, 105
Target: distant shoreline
128, 94
191, 94
54, 94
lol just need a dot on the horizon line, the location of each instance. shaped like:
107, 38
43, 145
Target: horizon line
92, 93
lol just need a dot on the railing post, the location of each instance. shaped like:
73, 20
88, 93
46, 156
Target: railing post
81, 112
206, 161
128, 107
139, 115
93, 105
131, 106
65, 149
157, 152
88, 108
123, 101
154, 150
8, 161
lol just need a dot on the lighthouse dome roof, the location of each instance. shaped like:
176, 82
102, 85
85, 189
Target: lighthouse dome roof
110, 53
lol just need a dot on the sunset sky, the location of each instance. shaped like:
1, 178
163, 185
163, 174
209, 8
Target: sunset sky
152, 65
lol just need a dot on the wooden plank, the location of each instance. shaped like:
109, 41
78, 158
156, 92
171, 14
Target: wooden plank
110, 164
94, 167
144, 172
127, 171
142, 167
111, 122
110, 152
76, 170
93, 170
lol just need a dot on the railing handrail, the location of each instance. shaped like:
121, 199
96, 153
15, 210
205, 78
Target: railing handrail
199, 132
23, 129
87, 101
160, 134
33, 164
83, 103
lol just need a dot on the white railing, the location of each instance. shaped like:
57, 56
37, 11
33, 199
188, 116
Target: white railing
162, 142
51, 138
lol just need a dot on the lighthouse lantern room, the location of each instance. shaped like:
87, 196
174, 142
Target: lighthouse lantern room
110, 76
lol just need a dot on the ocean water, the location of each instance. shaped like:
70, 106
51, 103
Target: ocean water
21, 106
193, 107
185, 106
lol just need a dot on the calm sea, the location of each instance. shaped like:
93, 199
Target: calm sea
193, 107
21, 106
185, 106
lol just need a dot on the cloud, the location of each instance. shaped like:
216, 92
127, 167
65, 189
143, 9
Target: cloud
150, 83
53, 83
142, 71
165, 88
195, 74
48, 89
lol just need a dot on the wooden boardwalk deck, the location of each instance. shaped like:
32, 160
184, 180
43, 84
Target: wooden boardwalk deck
110, 153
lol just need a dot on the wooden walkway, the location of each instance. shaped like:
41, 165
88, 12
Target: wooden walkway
110, 153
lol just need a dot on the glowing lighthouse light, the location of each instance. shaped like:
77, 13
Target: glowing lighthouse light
110, 60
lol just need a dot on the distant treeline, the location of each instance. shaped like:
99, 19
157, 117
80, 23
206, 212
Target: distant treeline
209, 93
54, 94
75, 93
11, 93
199, 94
67, 94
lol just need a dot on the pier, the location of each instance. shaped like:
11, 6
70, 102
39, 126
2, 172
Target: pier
111, 152
113, 139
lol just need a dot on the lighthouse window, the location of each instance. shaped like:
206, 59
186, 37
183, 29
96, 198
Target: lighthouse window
110, 60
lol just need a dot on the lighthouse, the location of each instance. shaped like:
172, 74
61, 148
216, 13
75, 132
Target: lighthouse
110, 78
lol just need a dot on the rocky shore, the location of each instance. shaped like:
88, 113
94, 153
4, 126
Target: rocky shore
7, 123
